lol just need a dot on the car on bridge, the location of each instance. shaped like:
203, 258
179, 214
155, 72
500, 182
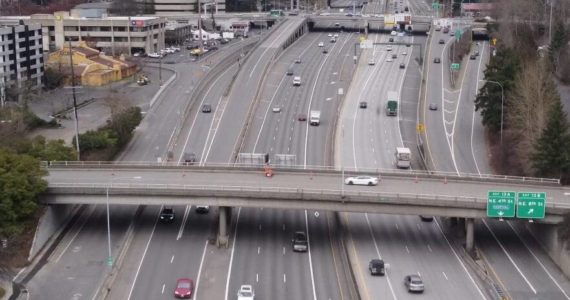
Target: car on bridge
361, 180
414, 283
402, 65
298, 60
363, 104
441, 41
202, 209
436, 60
245, 292
184, 288
426, 218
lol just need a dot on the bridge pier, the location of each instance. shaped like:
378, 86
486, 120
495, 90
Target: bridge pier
469, 234
225, 213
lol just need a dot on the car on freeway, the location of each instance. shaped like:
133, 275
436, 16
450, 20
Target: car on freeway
441, 41
290, 71
363, 104
433, 106
394, 33
476, 53
325, 51
224, 41
426, 218
394, 56
391, 40
202, 209
154, 55
472, 57
376, 267
206, 108
404, 53
302, 117
371, 62
436, 60
189, 158
333, 40
245, 292
276, 109
299, 242
184, 288
408, 45
389, 59
321, 44
330, 35
389, 48
336, 35
445, 29
349, 14
452, 33
414, 283
167, 214
361, 180
402, 65
298, 60
437, 28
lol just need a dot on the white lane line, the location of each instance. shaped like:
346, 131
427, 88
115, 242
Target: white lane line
407, 249
539, 262
197, 114
258, 250
200, 270
379, 255
509, 257
144, 255
284, 278
312, 96
184, 220
77, 232
163, 286
310, 257
443, 115
270, 47
232, 255
459, 260
172, 259
256, 277
429, 248
444, 275
474, 111
283, 250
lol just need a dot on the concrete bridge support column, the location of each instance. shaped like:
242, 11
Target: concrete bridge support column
469, 234
224, 216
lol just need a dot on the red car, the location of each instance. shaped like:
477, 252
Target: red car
184, 288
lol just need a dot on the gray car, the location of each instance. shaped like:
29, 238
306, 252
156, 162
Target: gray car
414, 283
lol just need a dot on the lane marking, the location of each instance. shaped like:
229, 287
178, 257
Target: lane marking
232, 255
509, 257
76, 233
184, 220
379, 255
310, 257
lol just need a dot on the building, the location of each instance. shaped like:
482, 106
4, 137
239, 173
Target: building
113, 35
21, 57
90, 66
169, 7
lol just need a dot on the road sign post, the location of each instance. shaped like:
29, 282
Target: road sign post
531, 205
501, 204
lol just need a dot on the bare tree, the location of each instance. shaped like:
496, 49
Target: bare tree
529, 103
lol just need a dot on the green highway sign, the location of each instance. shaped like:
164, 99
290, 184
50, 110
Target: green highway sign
435, 5
455, 66
110, 261
458, 34
501, 204
531, 205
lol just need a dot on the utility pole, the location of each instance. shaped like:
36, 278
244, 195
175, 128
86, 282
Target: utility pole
74, 100
200, 29
550, 25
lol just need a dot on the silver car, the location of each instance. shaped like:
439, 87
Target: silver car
361, 180
414, 283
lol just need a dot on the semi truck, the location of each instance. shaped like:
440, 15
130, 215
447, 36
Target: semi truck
315, 118
403, 157
392, 104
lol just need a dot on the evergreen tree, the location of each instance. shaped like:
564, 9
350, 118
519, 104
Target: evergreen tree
551, 155
502, 68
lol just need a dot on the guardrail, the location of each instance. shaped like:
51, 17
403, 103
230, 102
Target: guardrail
315, 169
281, 193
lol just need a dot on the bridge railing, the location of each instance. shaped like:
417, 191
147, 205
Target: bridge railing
281, 193
297, 168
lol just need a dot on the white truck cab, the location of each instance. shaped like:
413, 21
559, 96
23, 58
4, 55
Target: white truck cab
297, 80
315, 118
403, 157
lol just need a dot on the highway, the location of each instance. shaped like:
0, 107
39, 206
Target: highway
266, 234
81, 257
456, 143
368, 139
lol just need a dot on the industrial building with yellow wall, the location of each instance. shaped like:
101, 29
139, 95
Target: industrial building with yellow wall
90, 66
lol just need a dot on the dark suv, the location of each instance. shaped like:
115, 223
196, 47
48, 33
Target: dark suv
167, 214
376, 267
299, 242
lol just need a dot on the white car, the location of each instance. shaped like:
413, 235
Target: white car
361, 180
276, 109
389, 59
321, 44
404, 53
245, 292
336, 35
330, 34
389, 48
176, 49
154, 55
394, 33
371, 62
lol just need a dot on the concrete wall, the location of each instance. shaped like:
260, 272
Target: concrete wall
549, 238
52, 220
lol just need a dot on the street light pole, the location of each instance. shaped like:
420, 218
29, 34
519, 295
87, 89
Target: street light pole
502, 104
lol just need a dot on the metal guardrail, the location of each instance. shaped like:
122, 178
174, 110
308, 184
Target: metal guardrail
288, 193
315, 169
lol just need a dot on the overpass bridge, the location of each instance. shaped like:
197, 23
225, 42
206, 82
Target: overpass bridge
399, 192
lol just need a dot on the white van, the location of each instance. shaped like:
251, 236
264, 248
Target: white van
297, 80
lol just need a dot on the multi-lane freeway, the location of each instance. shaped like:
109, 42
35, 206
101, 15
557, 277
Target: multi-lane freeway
257, 109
